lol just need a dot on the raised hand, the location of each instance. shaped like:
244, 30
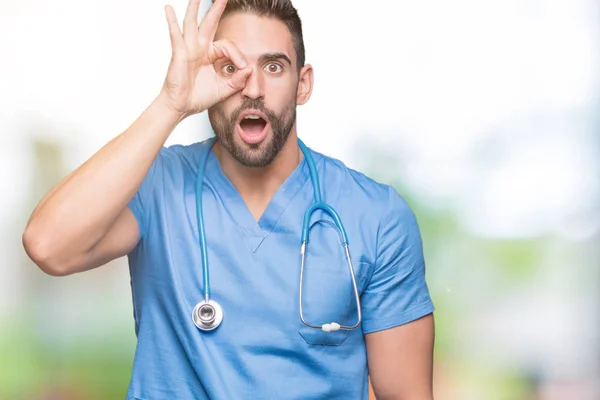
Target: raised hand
193, 84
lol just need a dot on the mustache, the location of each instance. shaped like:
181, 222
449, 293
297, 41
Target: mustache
255, 105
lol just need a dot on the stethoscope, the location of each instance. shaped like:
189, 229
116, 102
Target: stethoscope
208, 314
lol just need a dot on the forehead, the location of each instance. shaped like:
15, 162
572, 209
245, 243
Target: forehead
256, 35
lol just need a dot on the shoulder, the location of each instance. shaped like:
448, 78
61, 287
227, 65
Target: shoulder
172, 166
380, 200
179, 154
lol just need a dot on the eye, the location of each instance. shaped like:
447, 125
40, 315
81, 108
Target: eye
273, 68
229, 69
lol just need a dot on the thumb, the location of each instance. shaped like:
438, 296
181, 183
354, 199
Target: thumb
237, 81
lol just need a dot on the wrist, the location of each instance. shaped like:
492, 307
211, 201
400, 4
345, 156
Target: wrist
164, 106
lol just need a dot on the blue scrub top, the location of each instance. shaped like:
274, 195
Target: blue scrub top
262, 350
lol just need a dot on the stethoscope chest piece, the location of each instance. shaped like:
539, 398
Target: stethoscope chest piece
207, 315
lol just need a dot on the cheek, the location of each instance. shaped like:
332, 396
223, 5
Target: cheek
227, 107
287, 88
218, 117
280, 95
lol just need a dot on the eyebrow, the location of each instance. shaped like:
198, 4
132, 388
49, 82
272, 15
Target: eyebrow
275, 56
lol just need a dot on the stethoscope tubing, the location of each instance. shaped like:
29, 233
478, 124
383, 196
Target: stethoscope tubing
318, 204
200, 222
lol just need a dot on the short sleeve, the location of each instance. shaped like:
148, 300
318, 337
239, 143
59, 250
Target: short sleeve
397, 292
139, 204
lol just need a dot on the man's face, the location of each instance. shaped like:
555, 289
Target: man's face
254, 124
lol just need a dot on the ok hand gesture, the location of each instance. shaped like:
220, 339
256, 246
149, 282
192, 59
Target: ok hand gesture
192, 84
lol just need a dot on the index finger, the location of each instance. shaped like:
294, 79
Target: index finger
208, 27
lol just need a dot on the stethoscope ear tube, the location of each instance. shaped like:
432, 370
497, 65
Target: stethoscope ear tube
332, 326
332, 213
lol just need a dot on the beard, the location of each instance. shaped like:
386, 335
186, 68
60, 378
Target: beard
252, 155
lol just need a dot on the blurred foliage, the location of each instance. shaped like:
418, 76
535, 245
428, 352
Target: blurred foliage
33, 369
455, 261
36, 368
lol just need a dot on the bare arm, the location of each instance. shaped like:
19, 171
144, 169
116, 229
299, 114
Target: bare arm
84, 221
73, 218
401, 361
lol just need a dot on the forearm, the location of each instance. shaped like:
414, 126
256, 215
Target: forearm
401, 360
78, 211
400, 396
407, 391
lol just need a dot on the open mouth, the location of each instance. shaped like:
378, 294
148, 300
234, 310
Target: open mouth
253, 126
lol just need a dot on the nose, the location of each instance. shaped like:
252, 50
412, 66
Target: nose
254, 86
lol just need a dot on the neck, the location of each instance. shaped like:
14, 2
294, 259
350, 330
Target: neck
258, 185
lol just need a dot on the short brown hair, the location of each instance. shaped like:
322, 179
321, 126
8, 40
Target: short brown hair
280, 9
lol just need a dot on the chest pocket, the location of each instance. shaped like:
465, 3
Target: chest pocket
328, 292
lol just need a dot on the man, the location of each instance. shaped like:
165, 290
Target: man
245, 65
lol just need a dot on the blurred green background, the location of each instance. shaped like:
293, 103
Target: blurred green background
484, 115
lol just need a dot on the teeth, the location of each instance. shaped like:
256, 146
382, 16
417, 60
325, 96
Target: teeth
252, 117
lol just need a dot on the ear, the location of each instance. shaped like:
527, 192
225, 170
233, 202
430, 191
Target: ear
305, 84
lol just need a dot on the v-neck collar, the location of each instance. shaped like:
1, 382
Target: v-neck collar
255, 232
